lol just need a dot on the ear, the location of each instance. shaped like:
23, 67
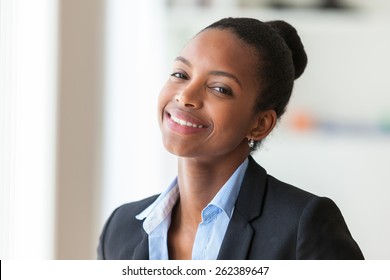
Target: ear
264, 123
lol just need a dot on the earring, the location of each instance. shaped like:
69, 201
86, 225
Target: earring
251, 143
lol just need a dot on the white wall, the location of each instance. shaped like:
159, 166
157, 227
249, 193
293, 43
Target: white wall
27, 128
134, 160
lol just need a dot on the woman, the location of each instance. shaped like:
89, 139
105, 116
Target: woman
228, 87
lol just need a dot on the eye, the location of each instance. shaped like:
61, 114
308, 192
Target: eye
179, 75
222, 90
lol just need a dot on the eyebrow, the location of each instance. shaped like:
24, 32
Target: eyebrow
185, 61
226, 74
214, 72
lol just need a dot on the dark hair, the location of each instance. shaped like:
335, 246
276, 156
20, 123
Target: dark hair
282, 57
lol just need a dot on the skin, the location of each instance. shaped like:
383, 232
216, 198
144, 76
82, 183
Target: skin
213, 88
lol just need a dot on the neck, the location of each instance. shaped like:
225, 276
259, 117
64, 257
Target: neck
199, 181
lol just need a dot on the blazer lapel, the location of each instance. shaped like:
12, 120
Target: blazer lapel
239, 234
237, 240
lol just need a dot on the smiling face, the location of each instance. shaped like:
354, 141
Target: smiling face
206, 108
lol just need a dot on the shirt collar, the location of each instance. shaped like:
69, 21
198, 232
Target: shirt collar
226, 198
224, 201
160, 209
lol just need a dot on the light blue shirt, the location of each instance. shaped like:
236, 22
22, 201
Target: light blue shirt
211, 231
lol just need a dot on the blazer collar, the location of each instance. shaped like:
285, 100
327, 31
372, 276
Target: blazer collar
239, 234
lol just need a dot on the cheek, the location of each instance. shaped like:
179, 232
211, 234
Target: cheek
163, 98
232, 122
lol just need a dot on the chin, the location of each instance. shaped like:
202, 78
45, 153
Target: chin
179, 150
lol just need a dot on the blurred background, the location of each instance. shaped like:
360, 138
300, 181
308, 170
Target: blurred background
79, 82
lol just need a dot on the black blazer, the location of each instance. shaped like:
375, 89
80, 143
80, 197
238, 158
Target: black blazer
271, 220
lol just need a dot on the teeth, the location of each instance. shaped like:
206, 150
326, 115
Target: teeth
184, 123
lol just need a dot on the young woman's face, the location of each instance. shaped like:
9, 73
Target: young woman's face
206, 108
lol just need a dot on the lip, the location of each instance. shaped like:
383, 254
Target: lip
184, 122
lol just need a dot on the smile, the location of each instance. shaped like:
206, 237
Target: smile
185, 123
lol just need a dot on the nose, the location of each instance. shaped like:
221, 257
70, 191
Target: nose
190, 96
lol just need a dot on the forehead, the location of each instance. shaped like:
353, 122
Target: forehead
220, 48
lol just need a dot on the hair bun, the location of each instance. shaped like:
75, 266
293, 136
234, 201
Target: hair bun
293, 41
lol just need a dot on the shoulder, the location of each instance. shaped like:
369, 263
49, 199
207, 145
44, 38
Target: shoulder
289, 204
281, 196
322, 233
122, 232
268, 194
296, 224
274, 193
